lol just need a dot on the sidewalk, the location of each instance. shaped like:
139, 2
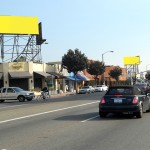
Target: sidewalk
56, 95
62, 95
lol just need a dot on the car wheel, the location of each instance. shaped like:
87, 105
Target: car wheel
21, 98
1, 101
139, 114
102, 114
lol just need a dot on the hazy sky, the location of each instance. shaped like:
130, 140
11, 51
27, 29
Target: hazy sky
92, 26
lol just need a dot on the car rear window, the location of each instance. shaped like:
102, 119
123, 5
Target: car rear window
99, 86
120, 91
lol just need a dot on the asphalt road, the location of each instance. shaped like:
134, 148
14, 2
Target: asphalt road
69, 123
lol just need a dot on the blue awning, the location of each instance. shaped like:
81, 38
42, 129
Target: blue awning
72, 78
82, 77
79, 77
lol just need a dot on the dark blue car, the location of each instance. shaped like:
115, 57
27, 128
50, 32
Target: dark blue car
124, 99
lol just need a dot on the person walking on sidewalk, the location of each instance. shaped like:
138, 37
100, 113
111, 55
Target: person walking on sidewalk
66, 87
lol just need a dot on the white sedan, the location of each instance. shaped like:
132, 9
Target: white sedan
100, 88
86, 89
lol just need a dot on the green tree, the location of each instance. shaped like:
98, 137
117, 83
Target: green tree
96, 68
115, 73
74, 61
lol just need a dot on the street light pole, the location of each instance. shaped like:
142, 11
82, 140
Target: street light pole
105, 53
103, 76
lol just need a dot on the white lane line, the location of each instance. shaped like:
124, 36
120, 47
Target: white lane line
38, 114
90, 118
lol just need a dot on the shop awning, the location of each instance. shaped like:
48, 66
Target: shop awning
79, 77
44, 74
57, 75
15, 75
72, 78
1, 75
82, 77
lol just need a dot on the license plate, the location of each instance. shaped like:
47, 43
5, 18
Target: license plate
118, 100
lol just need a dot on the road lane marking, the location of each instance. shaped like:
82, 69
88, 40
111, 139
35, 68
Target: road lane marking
90, 118
47, 112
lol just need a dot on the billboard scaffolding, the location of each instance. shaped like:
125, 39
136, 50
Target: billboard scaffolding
19, 48
132, 67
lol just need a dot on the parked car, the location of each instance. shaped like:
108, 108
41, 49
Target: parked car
86, 89
124, 99
143, 86
15, 93
100, 88
92, 89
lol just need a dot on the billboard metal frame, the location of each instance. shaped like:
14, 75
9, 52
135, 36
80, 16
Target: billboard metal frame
19, 48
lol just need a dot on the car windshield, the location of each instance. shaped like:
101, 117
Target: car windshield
17, 89
120, 91
143, 84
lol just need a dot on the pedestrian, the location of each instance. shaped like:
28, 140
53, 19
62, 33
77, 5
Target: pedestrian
59, 88
66, 88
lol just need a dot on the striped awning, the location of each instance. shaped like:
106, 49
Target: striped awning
44, 74
82, 77
57, 75
20, 74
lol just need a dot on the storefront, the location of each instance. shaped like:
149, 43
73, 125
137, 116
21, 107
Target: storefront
19, 79
40, 79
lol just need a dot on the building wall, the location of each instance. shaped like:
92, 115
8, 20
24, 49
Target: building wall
39, 67
5, 74
1, 67
18, 66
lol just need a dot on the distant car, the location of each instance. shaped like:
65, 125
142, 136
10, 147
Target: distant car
100, 88
86, 89
124, 99
92, 89
143, 86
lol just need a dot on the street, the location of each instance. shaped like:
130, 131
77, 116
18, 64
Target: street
69, 123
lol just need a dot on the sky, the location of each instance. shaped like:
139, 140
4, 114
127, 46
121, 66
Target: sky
94, 27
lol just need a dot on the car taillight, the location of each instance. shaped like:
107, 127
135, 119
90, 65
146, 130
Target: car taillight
102, 100
135, 101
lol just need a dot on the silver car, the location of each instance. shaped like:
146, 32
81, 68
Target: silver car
86, 89
100, 88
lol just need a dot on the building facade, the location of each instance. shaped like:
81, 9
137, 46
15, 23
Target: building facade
29, 75
34, 76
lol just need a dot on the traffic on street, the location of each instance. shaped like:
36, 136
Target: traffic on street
69, 123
